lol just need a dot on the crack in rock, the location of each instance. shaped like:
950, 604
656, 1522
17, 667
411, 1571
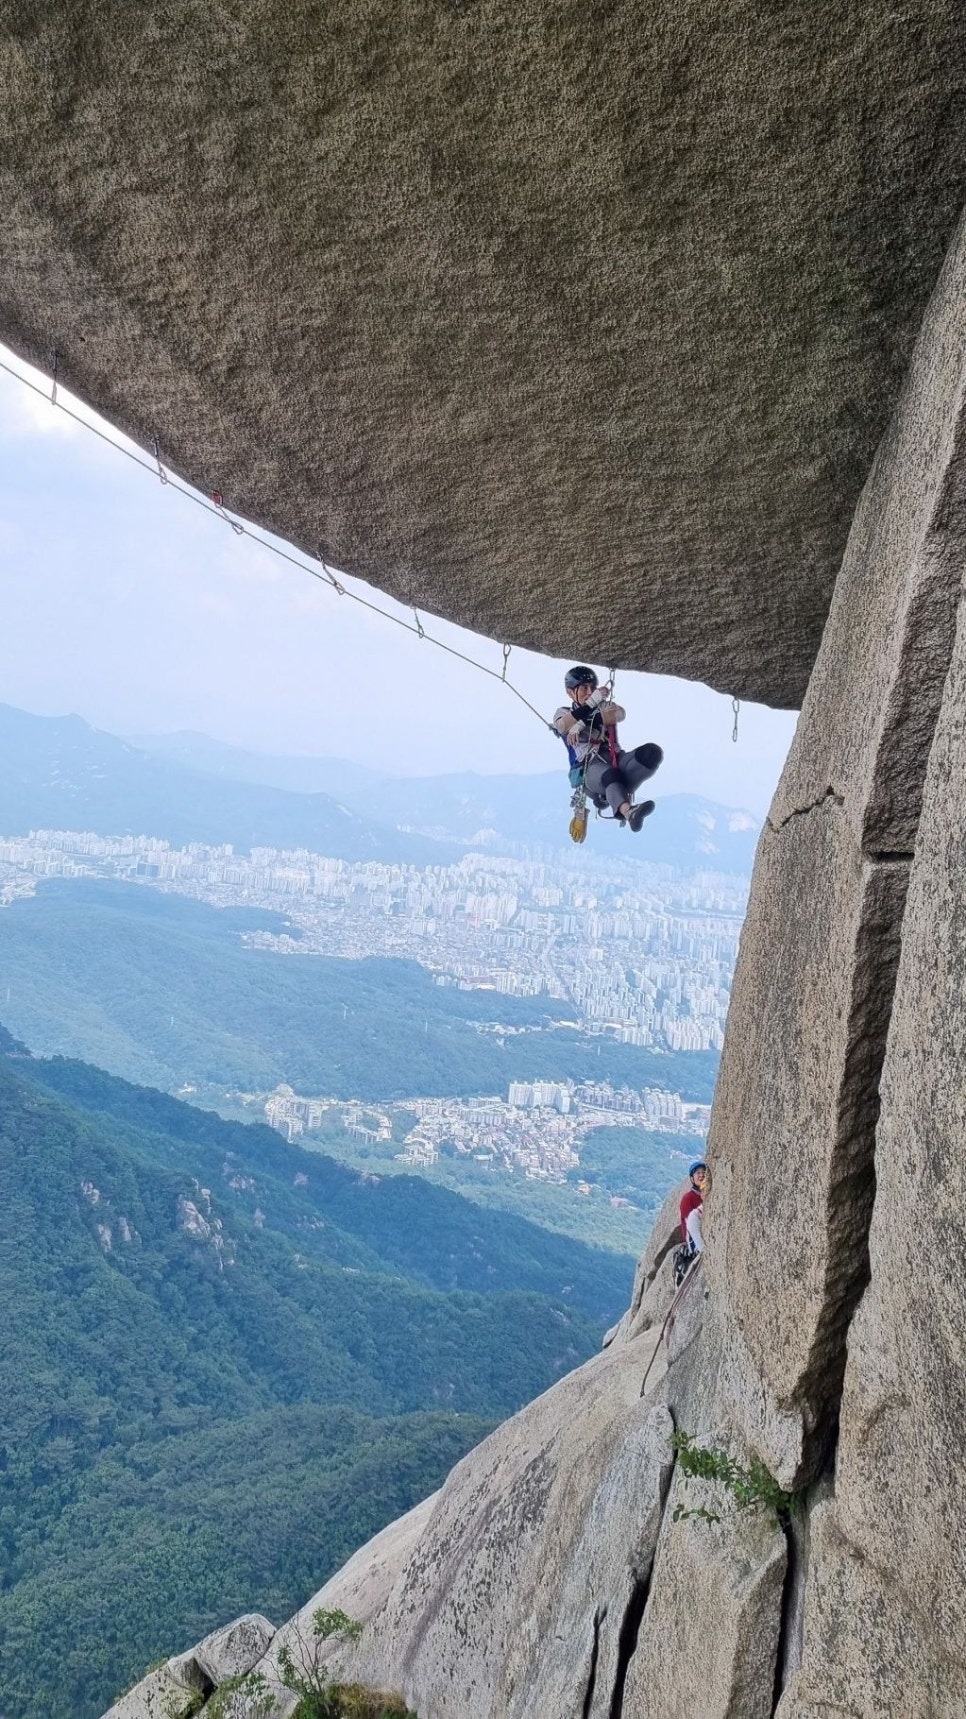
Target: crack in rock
599, 1617
787, 1621
634, 1612
803, 811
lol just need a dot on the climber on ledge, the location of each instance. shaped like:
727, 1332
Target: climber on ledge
588, 727
692, 1204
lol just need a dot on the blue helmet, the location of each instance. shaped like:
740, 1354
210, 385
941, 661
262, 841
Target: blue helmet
699, 1164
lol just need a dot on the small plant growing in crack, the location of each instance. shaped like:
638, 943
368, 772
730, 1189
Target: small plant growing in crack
753, 1487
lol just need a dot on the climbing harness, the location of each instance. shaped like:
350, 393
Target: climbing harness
578, 780
684, 1257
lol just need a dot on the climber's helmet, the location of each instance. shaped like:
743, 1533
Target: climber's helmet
580, 675
699, 1168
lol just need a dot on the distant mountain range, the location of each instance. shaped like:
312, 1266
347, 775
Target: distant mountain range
58, 772
687, 831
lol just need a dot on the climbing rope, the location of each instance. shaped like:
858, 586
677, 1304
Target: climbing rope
692, 1273
215, 504
736, 706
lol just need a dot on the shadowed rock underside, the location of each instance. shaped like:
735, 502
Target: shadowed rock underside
577, 324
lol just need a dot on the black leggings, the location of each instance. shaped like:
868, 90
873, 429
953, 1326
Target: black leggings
617, 783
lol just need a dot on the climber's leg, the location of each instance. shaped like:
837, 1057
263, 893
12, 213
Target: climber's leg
603, 779
640, 764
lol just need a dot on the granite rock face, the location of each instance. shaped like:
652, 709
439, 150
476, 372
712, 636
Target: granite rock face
709, 1636
842, 1104
793, 1130
651, 1295
514, 1598
893, 1558
481, 296
477, 301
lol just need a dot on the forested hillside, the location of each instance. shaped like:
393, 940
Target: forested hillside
225, 1362
207, 1009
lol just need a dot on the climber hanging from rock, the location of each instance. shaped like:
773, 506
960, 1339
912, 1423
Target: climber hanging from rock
599, 767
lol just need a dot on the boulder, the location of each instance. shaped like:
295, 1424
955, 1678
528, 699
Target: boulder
171, 1691
176, 1689
234, 1650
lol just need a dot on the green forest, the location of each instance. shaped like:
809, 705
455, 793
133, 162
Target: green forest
208, 1010
226, 1362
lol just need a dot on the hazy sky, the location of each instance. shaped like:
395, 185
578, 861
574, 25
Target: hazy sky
135, 609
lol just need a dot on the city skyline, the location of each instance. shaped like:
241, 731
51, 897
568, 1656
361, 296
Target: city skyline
645, 953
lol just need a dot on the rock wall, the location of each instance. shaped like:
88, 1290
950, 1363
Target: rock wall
884, 1609
505, 303
563, 1569
793, 1128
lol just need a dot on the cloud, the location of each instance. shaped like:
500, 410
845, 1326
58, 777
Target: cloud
25, 414
211, 603
27, 411
243, 561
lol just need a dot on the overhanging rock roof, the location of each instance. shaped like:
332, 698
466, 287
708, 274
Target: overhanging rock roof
577, 323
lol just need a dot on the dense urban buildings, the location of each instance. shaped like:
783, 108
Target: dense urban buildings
536, 1130
642, 952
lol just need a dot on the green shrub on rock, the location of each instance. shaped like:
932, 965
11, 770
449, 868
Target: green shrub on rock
302, 1671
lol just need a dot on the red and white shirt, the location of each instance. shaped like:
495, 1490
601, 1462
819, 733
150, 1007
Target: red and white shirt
691, 1205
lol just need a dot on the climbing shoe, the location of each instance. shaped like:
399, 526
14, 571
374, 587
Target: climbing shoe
637, 814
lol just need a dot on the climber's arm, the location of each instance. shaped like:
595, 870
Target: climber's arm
565, 723
693, 1227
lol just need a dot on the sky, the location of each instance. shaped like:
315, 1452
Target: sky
137, 610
